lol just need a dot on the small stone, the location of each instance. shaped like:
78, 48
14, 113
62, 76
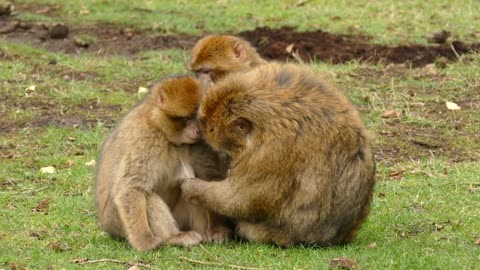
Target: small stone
58, 31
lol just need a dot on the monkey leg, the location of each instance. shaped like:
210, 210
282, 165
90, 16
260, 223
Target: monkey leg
261, 233
223, 198
110, 221
132, 208
163, 224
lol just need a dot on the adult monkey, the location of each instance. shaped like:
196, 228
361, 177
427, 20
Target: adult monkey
302, 168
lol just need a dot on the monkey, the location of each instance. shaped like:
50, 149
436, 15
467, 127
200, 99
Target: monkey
215, 56
212, 165
142, 164
302, 167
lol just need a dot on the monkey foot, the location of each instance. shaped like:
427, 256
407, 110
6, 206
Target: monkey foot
186, 239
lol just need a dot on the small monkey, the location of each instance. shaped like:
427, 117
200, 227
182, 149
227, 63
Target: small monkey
215, 56
142, 164
302, 168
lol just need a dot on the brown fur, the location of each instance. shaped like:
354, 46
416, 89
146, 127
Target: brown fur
217, 55
302, 167
142, 164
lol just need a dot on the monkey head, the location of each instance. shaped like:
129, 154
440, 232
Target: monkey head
217, 55
175, 106
227, 118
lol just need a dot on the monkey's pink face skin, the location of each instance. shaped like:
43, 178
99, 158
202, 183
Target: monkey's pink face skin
191, 132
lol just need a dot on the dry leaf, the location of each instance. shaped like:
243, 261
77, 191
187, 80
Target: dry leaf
477, 242
416, 104
390, 114
71, 139
84, 11
372, 245
142, 90
452, 106
289, 48
430, 70
49, 169
90, 163
57, 246
343, 263
42, 206
31, 88
396, 174
38, 234
134, 267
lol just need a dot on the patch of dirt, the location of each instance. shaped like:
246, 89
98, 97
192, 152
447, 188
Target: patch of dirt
335, 48
50, 113
281, 44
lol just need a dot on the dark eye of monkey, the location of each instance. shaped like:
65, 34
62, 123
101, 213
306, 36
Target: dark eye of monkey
181, 119
203, 71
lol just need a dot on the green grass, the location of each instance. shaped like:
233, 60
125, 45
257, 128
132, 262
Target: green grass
386, 21
425, 211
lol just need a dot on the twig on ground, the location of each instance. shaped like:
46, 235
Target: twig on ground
220, 264
210, 254
87, 261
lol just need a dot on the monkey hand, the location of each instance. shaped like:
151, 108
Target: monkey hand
191, 190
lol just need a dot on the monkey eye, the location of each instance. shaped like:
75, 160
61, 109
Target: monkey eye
181, 119
203, 71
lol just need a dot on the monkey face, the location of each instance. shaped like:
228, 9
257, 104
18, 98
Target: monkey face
188, 130
230, 137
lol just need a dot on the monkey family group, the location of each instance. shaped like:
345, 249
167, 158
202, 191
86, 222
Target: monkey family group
245, 149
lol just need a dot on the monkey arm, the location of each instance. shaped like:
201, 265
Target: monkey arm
223, 198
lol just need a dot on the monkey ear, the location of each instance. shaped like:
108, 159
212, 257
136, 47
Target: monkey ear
161, 97
240, 51
242, 125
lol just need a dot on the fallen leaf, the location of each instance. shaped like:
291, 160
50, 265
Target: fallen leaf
396, 174
416, 104
69, 163
40, 234
452, 106
343, 263
372, 245
477, 242
57, 246
49, 169
84, 11
289, 48
71, 139
390, 114
42, 206
90, 163
142, 90
31, 88
134, 267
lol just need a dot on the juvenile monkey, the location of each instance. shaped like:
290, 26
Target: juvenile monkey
302, 167
217, 55
142, 164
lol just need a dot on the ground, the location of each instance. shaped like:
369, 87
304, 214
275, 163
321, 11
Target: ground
62, 90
